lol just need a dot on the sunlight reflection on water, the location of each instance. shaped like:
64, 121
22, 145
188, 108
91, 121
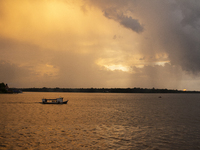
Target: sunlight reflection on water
100, 121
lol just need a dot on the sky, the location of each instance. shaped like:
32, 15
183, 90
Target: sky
100, 43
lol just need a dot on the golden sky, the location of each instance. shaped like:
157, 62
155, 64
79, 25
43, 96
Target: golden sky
107, 43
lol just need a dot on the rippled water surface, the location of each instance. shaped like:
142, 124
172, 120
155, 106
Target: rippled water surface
100, 121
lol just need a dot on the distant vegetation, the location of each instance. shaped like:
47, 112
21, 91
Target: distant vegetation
106, 90
5, 89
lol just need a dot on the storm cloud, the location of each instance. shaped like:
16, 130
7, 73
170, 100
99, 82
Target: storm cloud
172, 26
127, 22
107, 43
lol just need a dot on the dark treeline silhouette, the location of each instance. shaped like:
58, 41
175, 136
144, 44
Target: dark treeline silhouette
5, 89
105, 90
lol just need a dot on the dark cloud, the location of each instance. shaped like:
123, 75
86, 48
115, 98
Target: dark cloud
157, 76
191, 12
181, 33
126, 21
117, 10
170, 26
69, 57
185, 51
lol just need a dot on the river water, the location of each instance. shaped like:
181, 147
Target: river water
100, 121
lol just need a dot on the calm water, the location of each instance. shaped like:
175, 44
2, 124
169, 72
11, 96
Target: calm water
100, 121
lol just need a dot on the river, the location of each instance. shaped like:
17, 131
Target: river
100, 121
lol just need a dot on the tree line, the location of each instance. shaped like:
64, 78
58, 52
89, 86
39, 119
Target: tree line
106, 90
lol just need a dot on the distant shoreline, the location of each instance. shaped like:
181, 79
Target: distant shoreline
105, 90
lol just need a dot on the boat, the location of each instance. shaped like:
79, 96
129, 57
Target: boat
54, 101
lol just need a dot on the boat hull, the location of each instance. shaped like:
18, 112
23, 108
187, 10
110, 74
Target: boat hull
65, 102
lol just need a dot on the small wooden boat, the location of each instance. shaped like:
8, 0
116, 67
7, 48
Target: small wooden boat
54, 101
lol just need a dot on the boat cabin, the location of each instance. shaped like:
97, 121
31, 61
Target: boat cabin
51, 101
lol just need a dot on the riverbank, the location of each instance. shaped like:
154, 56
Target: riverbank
106, 90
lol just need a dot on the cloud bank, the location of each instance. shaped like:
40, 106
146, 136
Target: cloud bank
171, 26
107, 43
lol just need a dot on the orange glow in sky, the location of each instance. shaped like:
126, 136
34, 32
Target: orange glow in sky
95, 44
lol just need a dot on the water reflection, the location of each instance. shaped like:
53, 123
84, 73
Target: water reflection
100, 121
